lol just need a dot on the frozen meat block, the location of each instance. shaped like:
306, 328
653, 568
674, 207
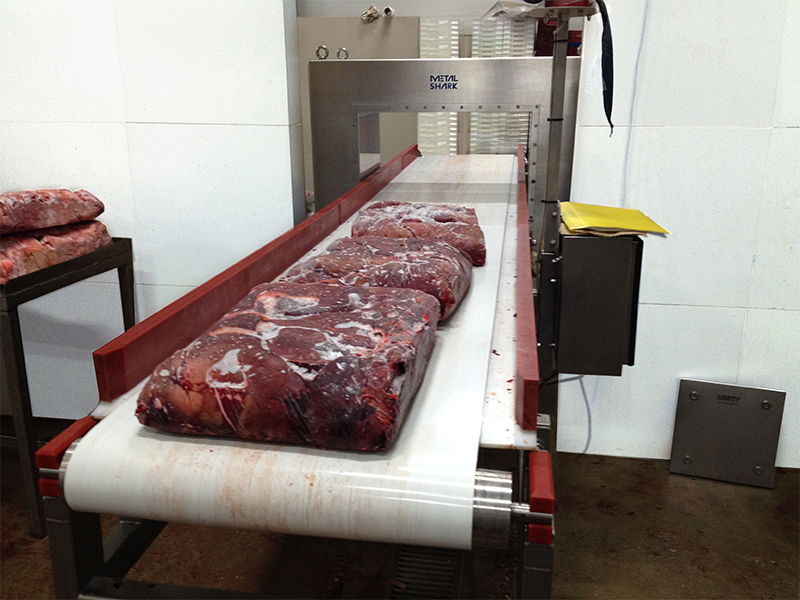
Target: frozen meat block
371, 261
321, 365
456, 225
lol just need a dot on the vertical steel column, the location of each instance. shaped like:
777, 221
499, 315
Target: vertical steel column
76, 547
127, 294
15, 383
550, 211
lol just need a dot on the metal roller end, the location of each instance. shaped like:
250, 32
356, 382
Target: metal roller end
491, 509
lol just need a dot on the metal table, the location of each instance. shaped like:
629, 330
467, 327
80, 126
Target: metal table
119, 255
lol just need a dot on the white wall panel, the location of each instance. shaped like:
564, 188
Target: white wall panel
770, 359
152, 298
598, 165
207, 195
204, 61
704, 185
91, 156
634, 415
59, 62
787, 102
702, 63
60, 332
775, 281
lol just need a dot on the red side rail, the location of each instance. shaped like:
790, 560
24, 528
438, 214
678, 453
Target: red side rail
527, 371
129, 358
542, 496
49, 456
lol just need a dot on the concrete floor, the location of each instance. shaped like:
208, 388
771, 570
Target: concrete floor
625, 528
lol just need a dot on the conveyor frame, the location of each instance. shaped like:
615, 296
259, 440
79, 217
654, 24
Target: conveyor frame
78, 553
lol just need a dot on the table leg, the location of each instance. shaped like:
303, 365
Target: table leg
126, 290
15, 380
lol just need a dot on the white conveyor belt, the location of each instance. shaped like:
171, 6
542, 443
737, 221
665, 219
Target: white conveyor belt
419, 492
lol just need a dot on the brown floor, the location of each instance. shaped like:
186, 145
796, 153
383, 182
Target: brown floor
625, 528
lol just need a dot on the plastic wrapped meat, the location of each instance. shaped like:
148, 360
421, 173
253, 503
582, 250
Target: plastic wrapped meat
322, 365
23, 253
38, 209
456, 225
370, 261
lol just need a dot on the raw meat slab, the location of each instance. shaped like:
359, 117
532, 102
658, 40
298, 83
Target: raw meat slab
371, 261
23, 253
328, 366
38, 209
456, 225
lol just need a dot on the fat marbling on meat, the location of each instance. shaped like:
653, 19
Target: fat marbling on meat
436, 268
24, 253
456, 225
328, 366
38, 209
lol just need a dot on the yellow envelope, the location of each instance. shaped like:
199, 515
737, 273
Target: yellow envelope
588, 217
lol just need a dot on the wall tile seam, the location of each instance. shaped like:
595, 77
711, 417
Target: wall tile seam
783, 47
754, 253
720, 306
191, 123
704, 127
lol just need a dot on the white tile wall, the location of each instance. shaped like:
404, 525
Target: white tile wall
787, 102
770, 359
775, 281
702, 184
152, 298
59, 62
60, 331
207, 195
92, 156
634, 415
598, 165
204, 61
702, 63
179, 117
713, 158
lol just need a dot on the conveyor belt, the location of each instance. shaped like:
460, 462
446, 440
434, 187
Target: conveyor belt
420, 492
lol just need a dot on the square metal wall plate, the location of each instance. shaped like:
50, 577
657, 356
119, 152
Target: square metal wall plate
727, 432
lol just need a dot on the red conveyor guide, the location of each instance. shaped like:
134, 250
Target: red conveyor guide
481, 383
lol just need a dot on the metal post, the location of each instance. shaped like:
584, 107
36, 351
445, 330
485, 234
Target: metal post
76, 547
550, 211
15, 381
126, 290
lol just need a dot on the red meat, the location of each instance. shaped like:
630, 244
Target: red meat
456, 225
322, 365
23, 253
370, 261
37, 209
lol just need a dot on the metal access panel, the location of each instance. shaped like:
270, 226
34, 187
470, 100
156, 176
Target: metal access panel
342, 90
727, 432
598, 301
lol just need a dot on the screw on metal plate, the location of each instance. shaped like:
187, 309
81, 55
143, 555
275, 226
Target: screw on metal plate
687, 460
552, 242
766, 405
694, 396
758, 471
322, 52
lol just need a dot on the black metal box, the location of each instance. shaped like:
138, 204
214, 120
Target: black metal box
598, 303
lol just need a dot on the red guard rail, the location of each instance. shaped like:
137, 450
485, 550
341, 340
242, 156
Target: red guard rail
527, 369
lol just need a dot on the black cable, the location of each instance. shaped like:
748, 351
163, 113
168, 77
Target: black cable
607, 63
